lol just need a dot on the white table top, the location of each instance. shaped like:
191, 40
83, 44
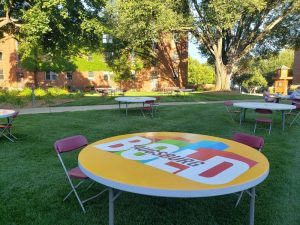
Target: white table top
134, 99
264, 105
6, 113
173, 164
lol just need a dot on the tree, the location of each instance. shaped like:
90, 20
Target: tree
53, 28
267, 66
251, 81
200, 73
227, 31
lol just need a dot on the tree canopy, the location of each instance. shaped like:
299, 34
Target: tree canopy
52, 28
226, 31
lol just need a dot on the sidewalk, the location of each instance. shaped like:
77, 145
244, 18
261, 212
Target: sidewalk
106, 107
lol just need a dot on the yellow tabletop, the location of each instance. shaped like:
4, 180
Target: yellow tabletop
173, 164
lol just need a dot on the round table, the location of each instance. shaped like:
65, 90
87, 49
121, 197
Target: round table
263, 105
127, 100
6, 113
172, 164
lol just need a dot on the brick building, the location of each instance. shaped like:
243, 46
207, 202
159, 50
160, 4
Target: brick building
169, 72
296, 68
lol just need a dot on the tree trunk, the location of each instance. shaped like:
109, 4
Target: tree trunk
223, 76
35, 78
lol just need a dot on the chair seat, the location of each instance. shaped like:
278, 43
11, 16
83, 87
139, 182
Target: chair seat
263, 120
77, 173
5, 126
147, 108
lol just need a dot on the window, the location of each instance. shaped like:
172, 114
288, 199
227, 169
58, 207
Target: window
51, 75
106, 38
1, 74
91, 75
90, 58
69, 75
1, 56
106, 75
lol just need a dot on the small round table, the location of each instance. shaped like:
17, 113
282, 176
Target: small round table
173, 164
263, 105
6, 113
127, 100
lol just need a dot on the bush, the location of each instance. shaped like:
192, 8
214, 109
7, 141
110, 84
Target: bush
55, 92
39, 92
26, 92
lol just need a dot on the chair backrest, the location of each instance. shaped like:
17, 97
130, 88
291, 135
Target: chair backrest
70, 143
250, 140
149, 101
228, 103
263, 111
16, 113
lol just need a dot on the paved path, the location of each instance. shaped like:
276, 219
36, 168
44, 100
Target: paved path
105, 107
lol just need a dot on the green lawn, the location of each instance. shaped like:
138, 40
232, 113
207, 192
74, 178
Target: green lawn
96, 99
32, 183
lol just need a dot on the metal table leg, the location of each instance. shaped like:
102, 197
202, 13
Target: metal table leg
283, 119
252, 206
111, 207
241, 116
126, 108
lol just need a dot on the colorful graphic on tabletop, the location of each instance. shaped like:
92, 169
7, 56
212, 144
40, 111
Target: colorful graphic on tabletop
204, 161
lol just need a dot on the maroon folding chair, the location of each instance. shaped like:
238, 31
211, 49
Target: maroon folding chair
263, 120
252, 141
6, 129
148, 106
231, 109
67, 145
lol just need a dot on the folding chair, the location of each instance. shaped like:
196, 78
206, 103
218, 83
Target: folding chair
263, 120
148, 107
252, 141
67, 145
295, 114
230, 109
5, 129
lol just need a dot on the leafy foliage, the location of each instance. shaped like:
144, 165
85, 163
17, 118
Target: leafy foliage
251, 81
200, 73
268, 66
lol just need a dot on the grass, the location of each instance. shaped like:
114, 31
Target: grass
95, 99
32, 183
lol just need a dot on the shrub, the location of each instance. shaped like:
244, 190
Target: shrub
55, 92
39, 92
26, 92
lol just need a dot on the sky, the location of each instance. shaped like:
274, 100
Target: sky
193, 52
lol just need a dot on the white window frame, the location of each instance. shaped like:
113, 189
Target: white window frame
91, 75
107, 74
107, 39
52, 75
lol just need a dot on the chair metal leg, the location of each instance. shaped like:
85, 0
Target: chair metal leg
255, 126
294, 119
270, 128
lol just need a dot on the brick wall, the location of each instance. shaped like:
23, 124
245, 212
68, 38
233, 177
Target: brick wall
296, 68
170, 71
